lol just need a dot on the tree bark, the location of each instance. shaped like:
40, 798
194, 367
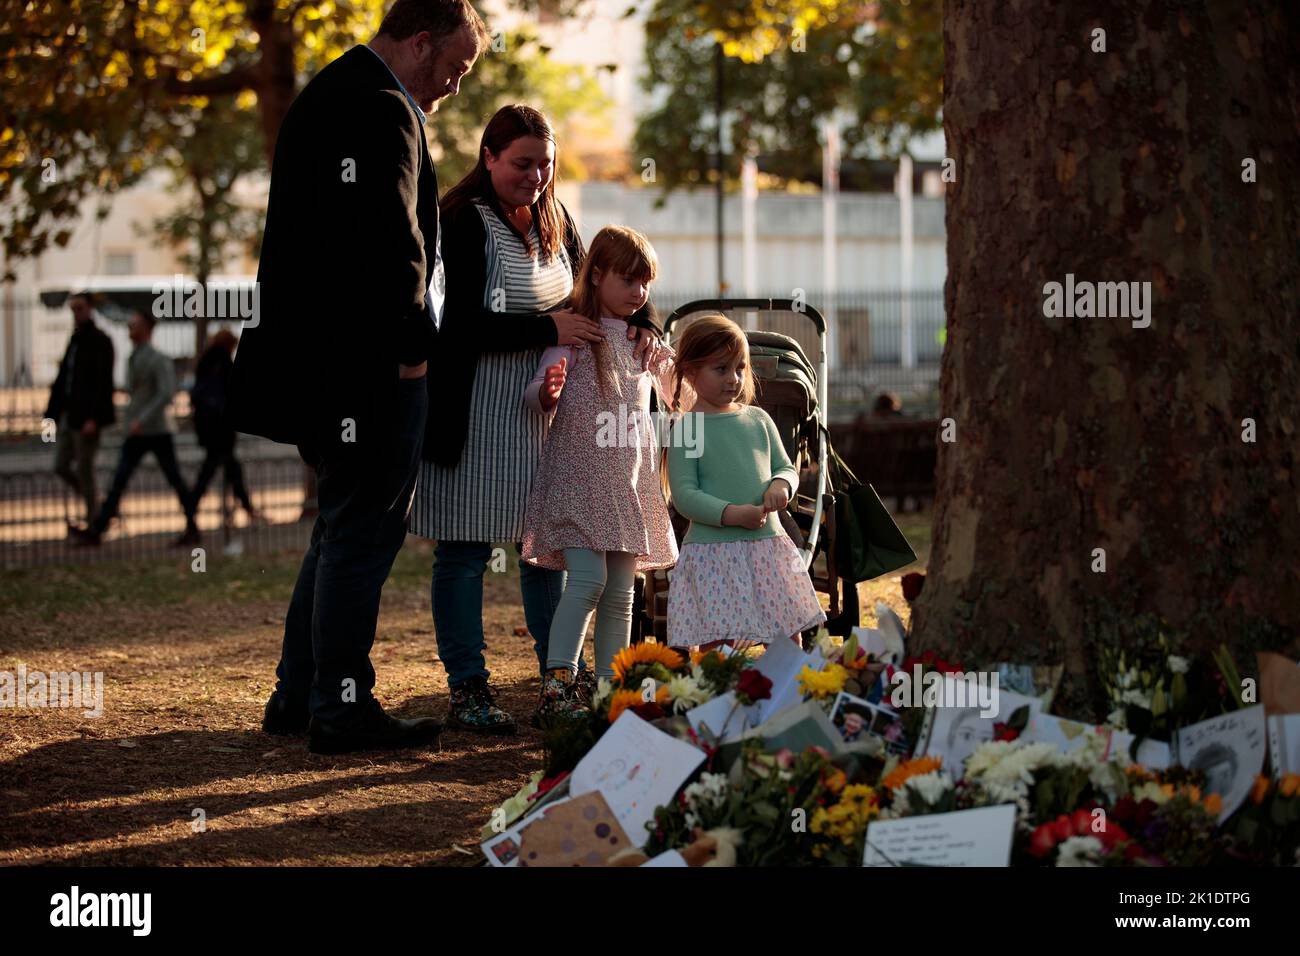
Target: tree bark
276, 83
1074, 434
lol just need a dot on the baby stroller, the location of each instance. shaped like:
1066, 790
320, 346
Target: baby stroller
793, 392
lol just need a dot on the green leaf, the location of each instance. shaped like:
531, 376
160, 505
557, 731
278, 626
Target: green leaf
1019, 718
1158, 704
1178, 693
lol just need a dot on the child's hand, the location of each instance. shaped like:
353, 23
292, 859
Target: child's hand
777, 496
554, 384
645, 344
744, 516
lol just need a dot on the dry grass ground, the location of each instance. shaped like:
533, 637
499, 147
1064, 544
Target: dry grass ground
188, 661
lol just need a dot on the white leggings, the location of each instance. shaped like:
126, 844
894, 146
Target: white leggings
597, 581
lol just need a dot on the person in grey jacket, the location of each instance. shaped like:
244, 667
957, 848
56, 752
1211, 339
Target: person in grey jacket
152, 383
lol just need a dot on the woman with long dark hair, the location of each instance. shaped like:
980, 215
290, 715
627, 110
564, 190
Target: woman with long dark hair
511, 251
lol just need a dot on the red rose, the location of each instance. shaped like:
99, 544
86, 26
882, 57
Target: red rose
912, 584
1082, 820
1062, 828
648, 710
1043, 841
753, 686
1003, 731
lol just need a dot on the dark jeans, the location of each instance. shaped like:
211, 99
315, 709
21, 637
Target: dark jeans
133, 451
457, 595
222, 457
365, 496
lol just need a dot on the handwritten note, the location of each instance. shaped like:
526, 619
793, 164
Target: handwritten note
980, 837
636, 768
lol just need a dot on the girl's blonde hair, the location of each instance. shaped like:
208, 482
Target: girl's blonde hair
615, 250
709, 336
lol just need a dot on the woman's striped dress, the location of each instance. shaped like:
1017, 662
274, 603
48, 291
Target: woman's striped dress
485, 496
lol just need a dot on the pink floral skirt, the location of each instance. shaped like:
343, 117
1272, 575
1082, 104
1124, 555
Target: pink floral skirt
740, 591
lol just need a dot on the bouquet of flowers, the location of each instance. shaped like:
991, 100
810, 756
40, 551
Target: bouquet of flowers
1266, 831
1152, 691
655, 682
794, 809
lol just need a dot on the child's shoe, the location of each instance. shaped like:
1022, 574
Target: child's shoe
586, 684
560, 698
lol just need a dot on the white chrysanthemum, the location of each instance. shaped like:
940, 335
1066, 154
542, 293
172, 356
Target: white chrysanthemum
1013, 763
707, 793
1135, 696
686, 693
1079, 851
1116, 719
604, 687
930, 787
1177, 664
987, 755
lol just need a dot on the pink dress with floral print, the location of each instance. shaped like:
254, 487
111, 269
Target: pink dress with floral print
597, 486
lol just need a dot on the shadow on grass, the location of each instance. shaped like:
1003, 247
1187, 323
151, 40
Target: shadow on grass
86, 770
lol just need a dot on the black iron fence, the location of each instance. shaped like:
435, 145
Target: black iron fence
36, 508
881, 340
878, 341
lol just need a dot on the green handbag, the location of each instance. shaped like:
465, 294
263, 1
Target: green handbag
867, 541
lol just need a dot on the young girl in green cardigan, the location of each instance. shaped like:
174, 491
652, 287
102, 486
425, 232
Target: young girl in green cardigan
738, 578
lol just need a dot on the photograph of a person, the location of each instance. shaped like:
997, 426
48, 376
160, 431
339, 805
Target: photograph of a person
856, 718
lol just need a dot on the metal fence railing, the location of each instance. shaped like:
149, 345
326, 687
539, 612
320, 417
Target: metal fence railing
22, 409
882, 341
36, 507
869, 335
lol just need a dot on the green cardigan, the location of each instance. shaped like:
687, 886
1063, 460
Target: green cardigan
735, 457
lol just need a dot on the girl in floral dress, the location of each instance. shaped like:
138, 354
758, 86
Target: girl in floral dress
739, 578
597, 506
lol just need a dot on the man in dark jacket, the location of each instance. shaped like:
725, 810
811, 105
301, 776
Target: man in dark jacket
350, 295
81, 401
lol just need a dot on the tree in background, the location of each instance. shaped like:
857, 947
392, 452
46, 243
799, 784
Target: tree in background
213, 146
1103, 479
91, 93
875, 68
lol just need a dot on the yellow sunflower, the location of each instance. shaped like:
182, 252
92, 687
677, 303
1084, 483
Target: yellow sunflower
621, 701
645, 653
